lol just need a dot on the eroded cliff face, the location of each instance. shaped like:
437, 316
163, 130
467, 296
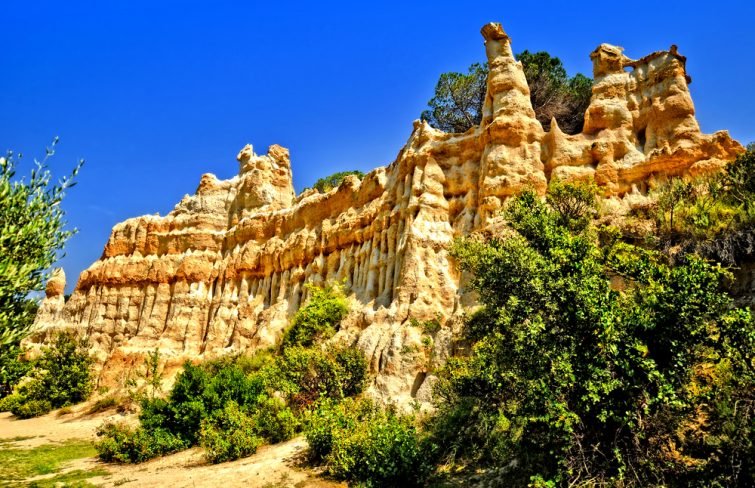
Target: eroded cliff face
226, 269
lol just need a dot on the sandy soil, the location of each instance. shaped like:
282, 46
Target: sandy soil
278, 465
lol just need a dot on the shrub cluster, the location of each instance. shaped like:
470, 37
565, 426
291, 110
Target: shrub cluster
60, 377
358, 441
232, 405
318, 320
573, 380
713, 216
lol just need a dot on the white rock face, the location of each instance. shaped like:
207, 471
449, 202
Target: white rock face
225, 270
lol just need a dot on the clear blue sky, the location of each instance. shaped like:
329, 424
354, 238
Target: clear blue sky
154, 93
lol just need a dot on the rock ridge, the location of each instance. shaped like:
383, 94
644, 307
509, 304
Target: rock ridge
225, 270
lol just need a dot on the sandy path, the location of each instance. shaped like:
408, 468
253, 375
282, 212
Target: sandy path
272, 466
51, 428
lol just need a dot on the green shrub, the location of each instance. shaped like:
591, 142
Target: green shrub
13, 367
26, 408
61, 376
324, 185
274, 420
232, 404
229, 434
569, 379
575, 203
331, 418
9, 402
361, 442
319, 318
306, 375
124, 444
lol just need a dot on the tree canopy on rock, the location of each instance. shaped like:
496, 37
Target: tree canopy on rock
459, 97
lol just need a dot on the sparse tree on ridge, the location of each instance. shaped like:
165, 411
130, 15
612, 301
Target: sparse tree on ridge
457, 104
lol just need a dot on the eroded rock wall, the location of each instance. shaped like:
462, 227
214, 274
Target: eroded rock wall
226, 269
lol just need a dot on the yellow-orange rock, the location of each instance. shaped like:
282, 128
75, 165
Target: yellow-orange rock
225, 270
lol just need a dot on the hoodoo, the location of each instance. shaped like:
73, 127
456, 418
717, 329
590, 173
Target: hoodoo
225, 270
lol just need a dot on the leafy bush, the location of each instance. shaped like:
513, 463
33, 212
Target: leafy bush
61, 376
13, 366
572, 381
10, 402
713, 216
359, 441
319, 318
231, 405
306, 375
229, 434
575, 203
324, 185
124, 444
28, 408
274, 420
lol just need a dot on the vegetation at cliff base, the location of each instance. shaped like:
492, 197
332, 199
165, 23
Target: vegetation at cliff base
459, 97
573, 381
232, 405
62, 376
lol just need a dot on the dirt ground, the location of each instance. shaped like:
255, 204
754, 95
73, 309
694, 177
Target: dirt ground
278, 465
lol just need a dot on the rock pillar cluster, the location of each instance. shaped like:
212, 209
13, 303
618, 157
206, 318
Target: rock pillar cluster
225, 270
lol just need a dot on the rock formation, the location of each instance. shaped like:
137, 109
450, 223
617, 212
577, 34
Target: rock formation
225, 270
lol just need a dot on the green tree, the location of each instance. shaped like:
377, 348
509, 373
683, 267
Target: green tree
62, 376
457, 104
553, 93
32, 234
575, 380
458, 101
324, 185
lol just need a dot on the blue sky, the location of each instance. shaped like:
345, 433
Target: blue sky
154, 93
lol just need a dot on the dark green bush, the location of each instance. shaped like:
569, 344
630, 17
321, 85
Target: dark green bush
13, 367
331, 418
305, 375
319, 318
229, 434
232, 404
125, 444
61, 376
361, 442
26, 408
274, 420
571, 379
9, 402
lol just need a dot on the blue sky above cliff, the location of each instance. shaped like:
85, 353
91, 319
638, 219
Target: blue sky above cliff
153, 94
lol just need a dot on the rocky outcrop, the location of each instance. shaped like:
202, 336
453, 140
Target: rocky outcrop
225, 270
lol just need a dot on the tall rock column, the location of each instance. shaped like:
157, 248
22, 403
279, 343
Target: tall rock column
511, 160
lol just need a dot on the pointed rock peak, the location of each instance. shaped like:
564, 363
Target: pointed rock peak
246, 153
280, 154
56, 285
555, 129
608, 59
493, 31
